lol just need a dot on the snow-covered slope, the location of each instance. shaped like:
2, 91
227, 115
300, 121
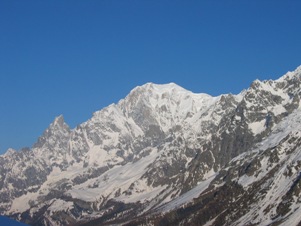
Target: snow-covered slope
163, 149
259, 187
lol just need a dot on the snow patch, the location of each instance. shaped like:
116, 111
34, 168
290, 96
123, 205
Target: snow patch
187, 197
257, 127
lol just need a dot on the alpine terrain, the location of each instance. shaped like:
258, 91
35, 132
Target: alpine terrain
166, 156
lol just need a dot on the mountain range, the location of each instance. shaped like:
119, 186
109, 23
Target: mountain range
166, 156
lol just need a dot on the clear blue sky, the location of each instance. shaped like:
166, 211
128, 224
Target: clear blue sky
75, 57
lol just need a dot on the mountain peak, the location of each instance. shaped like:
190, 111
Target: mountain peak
291, 75
153, 91
160, 87
59, 121
56, 131
59, 124
10, 152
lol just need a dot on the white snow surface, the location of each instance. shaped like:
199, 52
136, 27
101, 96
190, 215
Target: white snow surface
119, 177
257, 127
187, 197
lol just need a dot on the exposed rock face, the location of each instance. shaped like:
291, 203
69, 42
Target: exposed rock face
166, 156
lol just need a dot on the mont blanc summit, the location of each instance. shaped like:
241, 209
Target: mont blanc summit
166, 156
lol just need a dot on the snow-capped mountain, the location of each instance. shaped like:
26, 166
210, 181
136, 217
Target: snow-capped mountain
166, 156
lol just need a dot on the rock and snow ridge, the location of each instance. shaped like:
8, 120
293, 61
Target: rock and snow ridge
163, 149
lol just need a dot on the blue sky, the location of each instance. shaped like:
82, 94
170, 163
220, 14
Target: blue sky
9, 222
76, 57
